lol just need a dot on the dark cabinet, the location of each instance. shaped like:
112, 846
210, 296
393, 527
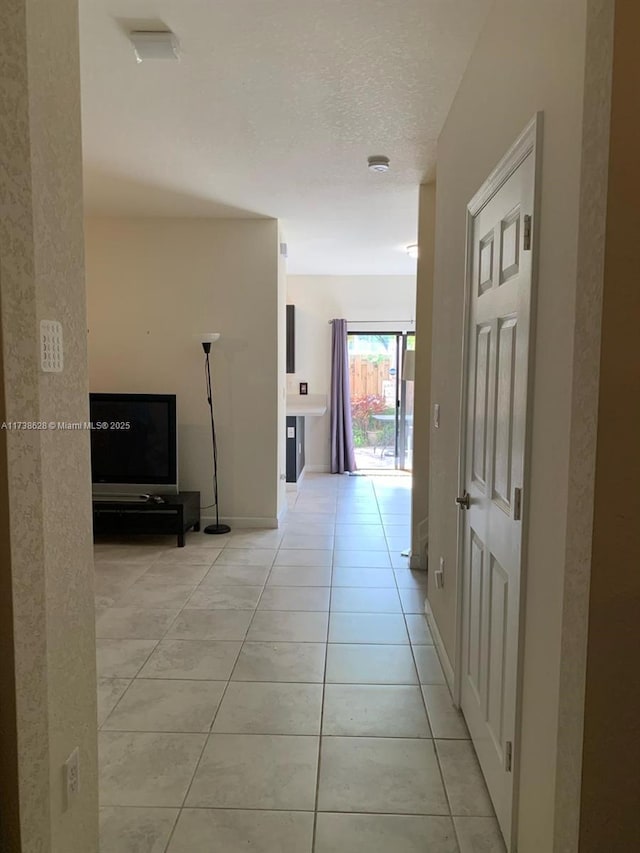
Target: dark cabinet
295, 448
173, 515
291, 338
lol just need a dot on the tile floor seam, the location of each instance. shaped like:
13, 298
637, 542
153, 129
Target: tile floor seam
115, 708
324, 688
442, 779
319, 764
204, 746
172, 833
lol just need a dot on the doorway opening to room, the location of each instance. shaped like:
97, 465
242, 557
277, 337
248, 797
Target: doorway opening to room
381, 381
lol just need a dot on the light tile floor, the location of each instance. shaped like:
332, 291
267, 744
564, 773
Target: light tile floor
279, 691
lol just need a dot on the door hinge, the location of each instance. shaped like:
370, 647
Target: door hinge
508, 756
527, 233
517, 504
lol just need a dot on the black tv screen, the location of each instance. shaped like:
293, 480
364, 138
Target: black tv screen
133, 439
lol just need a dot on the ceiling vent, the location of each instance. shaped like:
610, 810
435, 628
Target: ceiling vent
154, 44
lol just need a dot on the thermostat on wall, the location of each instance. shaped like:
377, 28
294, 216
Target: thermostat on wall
51, 355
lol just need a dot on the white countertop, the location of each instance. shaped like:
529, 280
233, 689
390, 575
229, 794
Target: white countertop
306, 405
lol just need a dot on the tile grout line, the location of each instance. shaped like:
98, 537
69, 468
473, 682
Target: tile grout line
426, 710
204, 745
206, 739
324, 691
433, 739
244, 641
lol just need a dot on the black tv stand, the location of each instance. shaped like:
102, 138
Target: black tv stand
174, 516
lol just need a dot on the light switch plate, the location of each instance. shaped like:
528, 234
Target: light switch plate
51, 351
291, 432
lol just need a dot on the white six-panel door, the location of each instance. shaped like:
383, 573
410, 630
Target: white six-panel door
498, 329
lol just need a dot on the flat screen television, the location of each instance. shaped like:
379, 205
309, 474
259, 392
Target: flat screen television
133, 444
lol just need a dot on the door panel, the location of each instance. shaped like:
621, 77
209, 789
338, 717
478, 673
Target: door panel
496, 658
476, 597
485, 267
481, 407
495, 419
503, 417
510, 245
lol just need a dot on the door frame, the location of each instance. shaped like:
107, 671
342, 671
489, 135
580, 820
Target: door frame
528, 143
400, 391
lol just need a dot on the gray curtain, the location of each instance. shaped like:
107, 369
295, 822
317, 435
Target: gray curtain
342, 454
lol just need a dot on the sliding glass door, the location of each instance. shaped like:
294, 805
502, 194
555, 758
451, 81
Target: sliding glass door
381, 399
405, 413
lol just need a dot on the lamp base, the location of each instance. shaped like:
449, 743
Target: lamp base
217, 528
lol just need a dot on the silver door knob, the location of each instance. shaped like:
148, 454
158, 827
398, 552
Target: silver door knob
464, 502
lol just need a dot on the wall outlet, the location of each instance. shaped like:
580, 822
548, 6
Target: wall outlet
439, 575
72, 776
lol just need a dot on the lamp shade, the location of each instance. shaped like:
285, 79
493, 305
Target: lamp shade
409, 366
209, 337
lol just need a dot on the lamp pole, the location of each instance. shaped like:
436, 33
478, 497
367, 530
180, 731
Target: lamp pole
217, 527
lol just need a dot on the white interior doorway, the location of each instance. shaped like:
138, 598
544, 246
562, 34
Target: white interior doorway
493, 470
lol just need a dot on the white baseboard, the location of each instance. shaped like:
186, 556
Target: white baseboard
318, 469
293, 487
241, 522
419, 548
440, 649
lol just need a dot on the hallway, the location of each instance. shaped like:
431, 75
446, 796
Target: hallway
278, 690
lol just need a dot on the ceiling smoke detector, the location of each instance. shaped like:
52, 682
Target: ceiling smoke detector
378, 163
154, 44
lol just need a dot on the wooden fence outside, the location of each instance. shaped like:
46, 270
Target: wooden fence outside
367, 377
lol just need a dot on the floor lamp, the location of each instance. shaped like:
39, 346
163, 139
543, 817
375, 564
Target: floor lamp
206, 341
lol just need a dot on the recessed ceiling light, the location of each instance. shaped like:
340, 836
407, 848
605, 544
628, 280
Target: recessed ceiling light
154, 44
413, 250
378, 163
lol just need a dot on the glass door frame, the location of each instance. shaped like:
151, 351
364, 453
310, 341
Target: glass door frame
400, 431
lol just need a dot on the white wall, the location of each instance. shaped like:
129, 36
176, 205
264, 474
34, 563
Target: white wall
47, 639
530, 57
153, 286
422, 392
382, 301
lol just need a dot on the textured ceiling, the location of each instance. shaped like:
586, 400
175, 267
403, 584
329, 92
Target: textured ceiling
272, 111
